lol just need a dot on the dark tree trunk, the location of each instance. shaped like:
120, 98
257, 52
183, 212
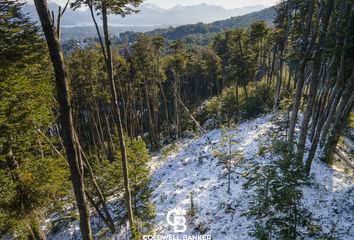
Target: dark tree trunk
342, 113
335, 95
109, 221
315, 80
90, 5
176, 105
117, 116
66, 119
301, 72
297, 101
279, 78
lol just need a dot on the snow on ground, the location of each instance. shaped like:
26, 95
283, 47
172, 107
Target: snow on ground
71, 230
331, 200
192, 168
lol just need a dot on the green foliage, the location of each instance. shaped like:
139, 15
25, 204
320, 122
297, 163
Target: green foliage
351, 121
167, 150
111, 181
230, 156
193, 209
224, 108
155, 78
139, 157
121, 7
19, 42
33, 179
87, 76
276, 205
38, 177
258, 102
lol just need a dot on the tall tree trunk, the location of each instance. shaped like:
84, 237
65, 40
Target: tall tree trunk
117, 115
301, 72
164, 103
245, 91
237, 101
271, 72
66, 118
321, 115
176, 104
101, 198
90, 5
342, 113
279, 77
297, 101
315, 80
335, 95
319, 102
330, 111
315, 140
151, 124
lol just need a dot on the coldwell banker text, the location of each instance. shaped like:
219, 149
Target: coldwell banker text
177, 237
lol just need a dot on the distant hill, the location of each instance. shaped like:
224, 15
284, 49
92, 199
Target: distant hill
201, 33
267, 15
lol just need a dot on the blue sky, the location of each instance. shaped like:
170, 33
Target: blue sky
224, 3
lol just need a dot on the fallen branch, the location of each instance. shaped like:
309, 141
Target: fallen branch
187, 110
343, 157
51, 144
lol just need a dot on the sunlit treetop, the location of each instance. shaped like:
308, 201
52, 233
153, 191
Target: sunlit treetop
117, 7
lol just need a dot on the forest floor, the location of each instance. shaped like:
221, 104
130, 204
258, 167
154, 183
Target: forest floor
190, 167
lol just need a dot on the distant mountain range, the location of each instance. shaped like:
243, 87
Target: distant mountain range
175, 23
151, 15
201, 33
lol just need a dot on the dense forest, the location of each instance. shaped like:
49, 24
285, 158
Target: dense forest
78, 128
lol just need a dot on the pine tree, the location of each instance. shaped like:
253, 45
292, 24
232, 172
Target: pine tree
276, 205
231, 156
33, 178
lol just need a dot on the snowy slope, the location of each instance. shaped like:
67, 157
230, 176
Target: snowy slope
220, 214
193, 169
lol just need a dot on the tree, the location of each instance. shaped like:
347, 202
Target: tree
123, 8
304, 48
66, 120
230, 157
257, 34
177, 66
33, 179
276, 203
118, 7
315, 78
147, 74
